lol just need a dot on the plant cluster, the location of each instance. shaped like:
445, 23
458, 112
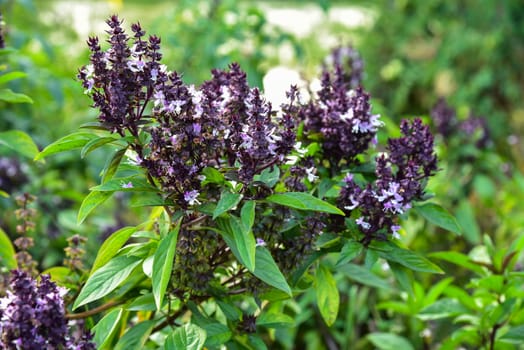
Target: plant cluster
32, 316
259, 225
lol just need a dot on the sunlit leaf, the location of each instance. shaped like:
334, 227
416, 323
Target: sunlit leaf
163, 264
303, 201
66, 143
327, 294
111, 246
90, 202
106, 279
7, 252
19, 142
188, 337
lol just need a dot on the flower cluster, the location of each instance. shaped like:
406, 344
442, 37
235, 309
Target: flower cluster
447, 124
223, 123
400, 179
341, 114
347, 60
25, 215
32, 316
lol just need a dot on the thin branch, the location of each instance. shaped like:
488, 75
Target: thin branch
94, 311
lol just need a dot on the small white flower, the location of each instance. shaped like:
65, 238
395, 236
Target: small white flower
365, 225
311, 177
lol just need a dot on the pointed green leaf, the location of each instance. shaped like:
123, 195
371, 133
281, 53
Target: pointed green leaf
439, 216
106, 279
459, 259
163, 264
363, 275
303, 201
217, 334
409, 259
111, 246
66, 143
19, 142
389, 341
227, 201
106, 328
7, 77
275, 320
112, 164
135, 338
267, 270
212, 176
8, 95
92, 200
268, 176
350, 251
442, 308
188, 337
7, 252
94, 144
247, 215
241, 241
514, 335
327, 295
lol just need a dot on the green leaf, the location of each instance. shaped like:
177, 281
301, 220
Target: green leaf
267, 270
58, 274
465, 215
4, 78
459, 259
106, 279
212, 176
268, 176
7, 252
388, 341
111, 246
66, 143
350, 250
125, 184
112, 165
327, 295
136, 337
144, 302
363, 275
247, 215
409, 259
94, 144
227, 201
275, 320
187, 337
106, 328
442, 308
8, 95
303, 201
241, 241
514, 335
163, 264
217, 334
439, 216
92, 200
403, 276
19, 142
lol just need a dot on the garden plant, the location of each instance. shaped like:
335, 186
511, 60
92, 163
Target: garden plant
256, 226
